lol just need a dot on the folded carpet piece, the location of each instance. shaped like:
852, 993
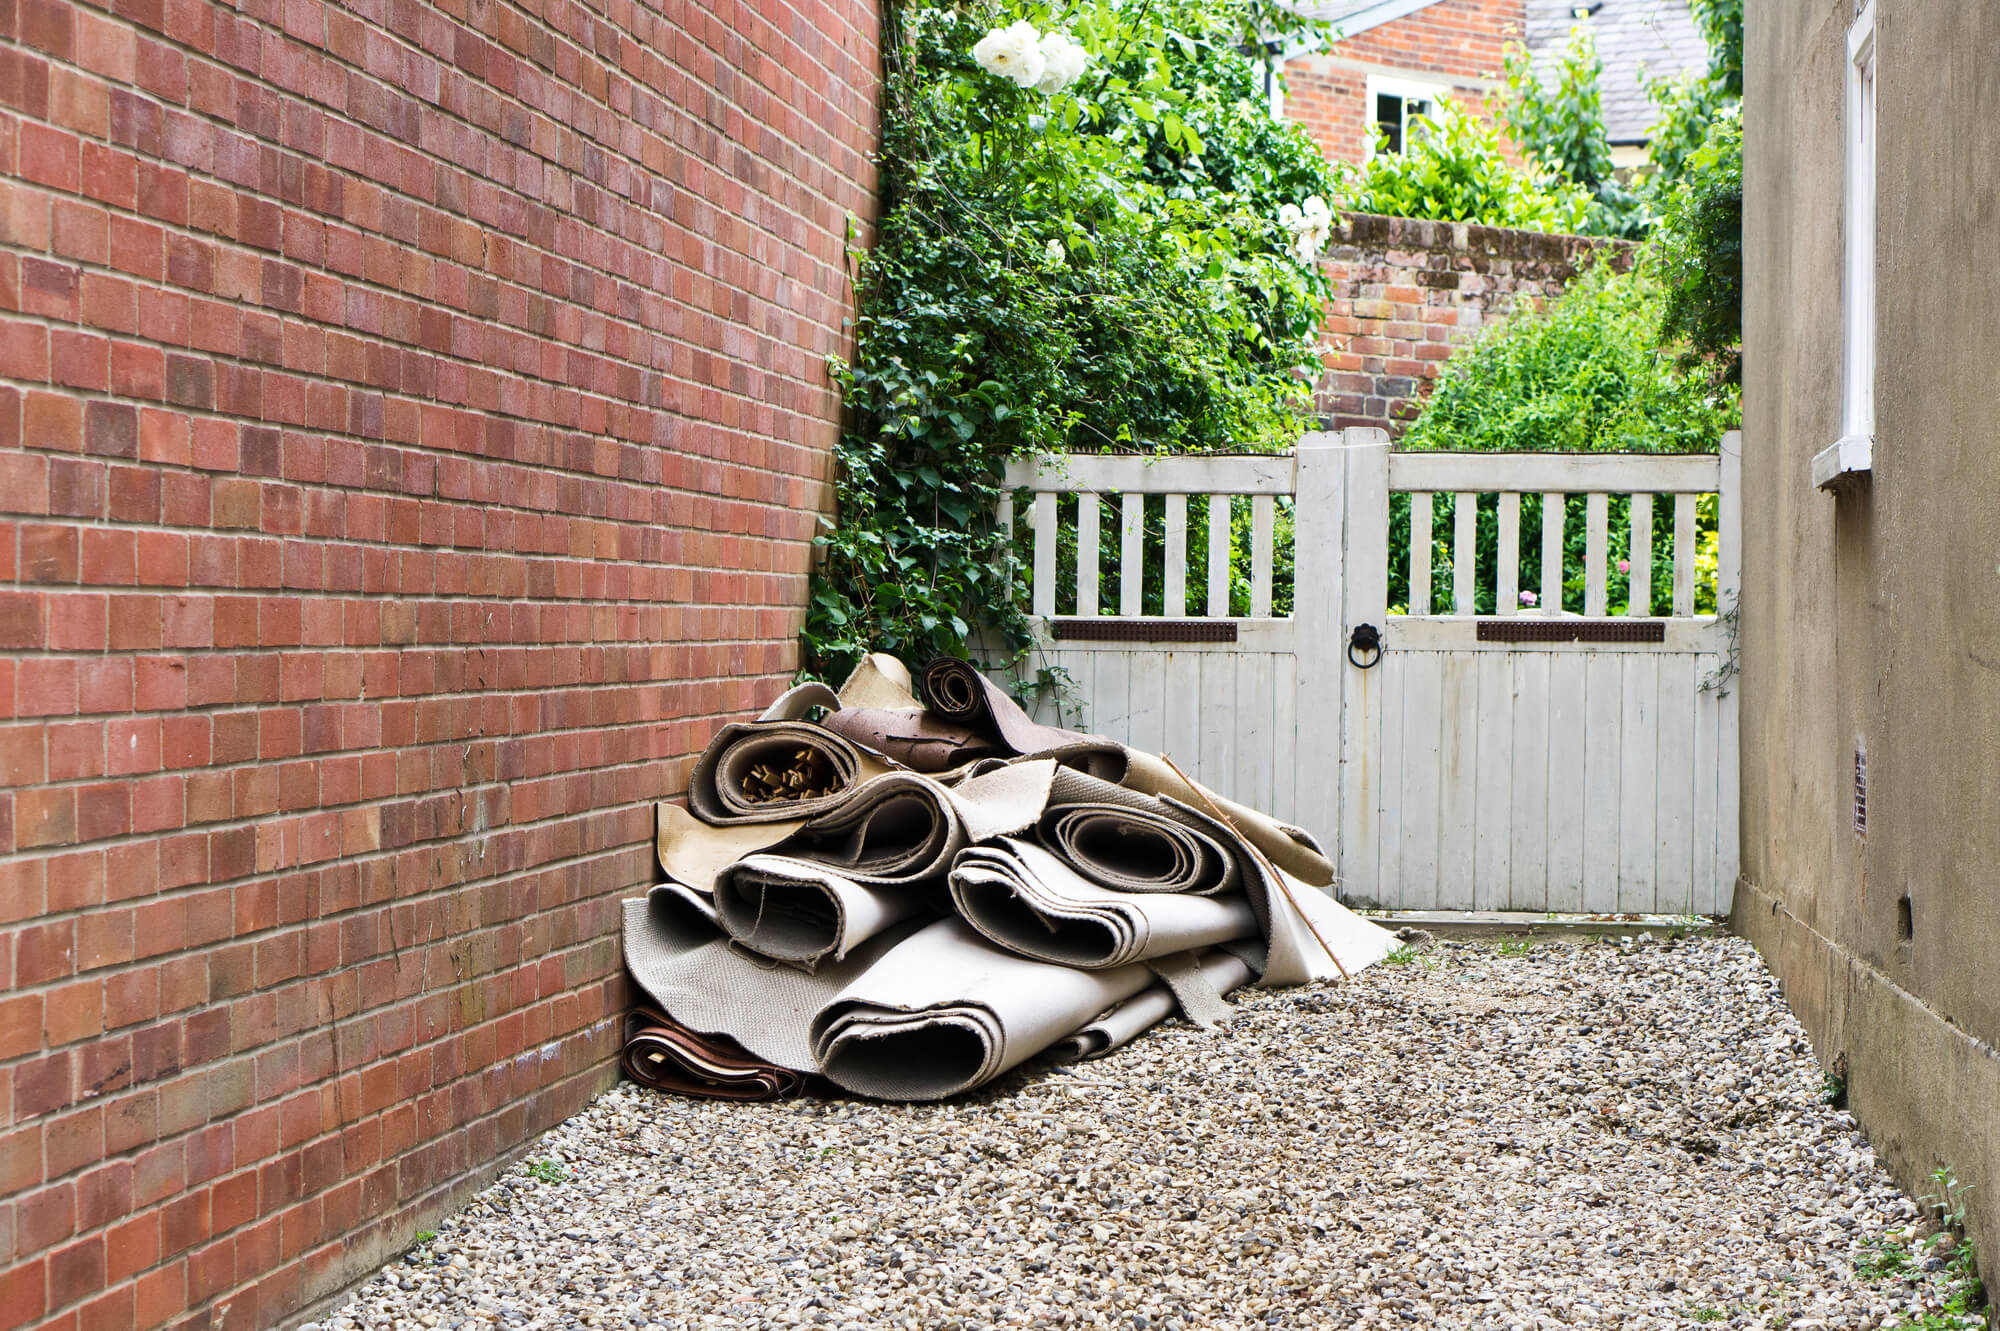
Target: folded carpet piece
664, 1055
798, 911
945, 1011
1145, 1010
1027, 900
696, 974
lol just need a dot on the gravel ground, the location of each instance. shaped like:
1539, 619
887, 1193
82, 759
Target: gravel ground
1628, 1134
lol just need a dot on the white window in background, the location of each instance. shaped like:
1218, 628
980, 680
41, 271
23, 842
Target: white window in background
1853, 452
1395, 107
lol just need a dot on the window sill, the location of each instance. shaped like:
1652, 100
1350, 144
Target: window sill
1848, 459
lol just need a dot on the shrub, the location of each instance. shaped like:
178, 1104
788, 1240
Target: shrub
1455, 171
1585, 375
1125, 259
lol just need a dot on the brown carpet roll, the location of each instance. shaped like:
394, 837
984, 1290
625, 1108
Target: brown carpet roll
664, 1055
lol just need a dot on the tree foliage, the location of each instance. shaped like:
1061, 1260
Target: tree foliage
1097, 266
1454, 170
1560, 126
1697, 254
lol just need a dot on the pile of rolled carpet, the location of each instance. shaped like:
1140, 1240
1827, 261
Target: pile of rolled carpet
911, 895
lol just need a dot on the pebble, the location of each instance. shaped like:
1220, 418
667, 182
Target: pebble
1628, 1134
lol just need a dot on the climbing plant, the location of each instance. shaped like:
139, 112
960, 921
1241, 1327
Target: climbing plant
1093, 235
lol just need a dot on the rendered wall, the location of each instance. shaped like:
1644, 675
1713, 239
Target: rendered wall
412, 421
1407, 293
1872, 619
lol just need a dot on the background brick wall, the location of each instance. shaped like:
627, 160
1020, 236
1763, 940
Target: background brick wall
1407, 293
412, 421
1460, 43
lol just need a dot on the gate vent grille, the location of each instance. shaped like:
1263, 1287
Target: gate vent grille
1144, 630
1572, 630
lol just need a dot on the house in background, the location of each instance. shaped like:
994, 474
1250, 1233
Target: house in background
1638, 41
1871, 579
1395, 58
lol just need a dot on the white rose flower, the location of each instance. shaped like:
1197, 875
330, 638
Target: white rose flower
1013, 52
1063, 63
1311, 227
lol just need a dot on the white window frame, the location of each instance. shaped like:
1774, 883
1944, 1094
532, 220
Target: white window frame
1405, 88
1853, 452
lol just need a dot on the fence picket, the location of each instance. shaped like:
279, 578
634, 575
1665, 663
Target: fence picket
1131, 552
1683, 554
1261, 507
1507, 574
1174, 597
1639, 596
1086, 554
1464, 553
1420, 553
1044, 593
1218, 556
1594, 513
1555, 513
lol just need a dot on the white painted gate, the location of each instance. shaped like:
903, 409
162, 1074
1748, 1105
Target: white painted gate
1522, 759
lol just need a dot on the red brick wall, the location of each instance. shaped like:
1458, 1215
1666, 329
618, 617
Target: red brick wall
412, 418
1456, 42
1407, 293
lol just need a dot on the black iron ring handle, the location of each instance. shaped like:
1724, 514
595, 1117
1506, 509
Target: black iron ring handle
1365, 638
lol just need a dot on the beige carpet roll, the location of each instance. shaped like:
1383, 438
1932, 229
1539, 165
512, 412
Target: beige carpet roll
945, 1011
698, 975
1292, 849
1134, 842
805, 913
1027, 900
959, 692
773, 771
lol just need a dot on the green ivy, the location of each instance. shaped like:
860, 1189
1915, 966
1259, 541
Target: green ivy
1101, 267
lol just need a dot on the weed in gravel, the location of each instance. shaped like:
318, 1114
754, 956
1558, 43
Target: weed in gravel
1513, 947
1401, 955
1947, 1294
548, 1171
1706, 1313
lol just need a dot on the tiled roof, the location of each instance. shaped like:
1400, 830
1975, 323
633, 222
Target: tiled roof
1656, 36
1354, 16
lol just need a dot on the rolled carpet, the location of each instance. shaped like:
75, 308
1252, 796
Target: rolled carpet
959, 692
1134, 842
773, 771
1145, 1010
946, 1011
1027, 900
702, 978
664, 1055
802, 912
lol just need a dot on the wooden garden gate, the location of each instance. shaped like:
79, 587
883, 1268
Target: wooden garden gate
1490, 751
